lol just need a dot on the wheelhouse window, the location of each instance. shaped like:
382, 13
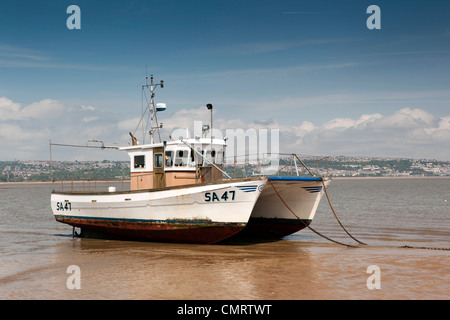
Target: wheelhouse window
215, 156
192, 158
169, 158
158, 160
181, 159
210, 156
200, 158
139, 162
219, 157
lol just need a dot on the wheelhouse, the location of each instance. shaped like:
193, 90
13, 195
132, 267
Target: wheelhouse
175, 163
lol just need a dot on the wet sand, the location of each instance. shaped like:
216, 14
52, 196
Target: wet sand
287, 269
36, 252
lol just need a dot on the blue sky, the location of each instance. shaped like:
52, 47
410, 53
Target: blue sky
310, 68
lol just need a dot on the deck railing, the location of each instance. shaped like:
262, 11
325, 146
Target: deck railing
92, 185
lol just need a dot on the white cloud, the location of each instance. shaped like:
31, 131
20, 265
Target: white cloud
89, 119
128, 125
442, 131
408, 132
10, 110
25, 131
184, 118
407, 118
43, 109
14, 134
17, 142
307, 126
88, 108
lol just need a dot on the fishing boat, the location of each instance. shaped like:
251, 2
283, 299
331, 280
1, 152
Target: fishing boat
202, 213
179, 192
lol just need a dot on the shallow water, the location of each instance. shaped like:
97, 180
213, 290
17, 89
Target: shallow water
35, 252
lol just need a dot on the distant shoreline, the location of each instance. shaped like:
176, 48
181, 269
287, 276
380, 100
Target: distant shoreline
400, 177
65, 182
25, 182
127, 181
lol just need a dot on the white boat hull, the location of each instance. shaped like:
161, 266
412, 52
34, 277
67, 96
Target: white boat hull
204, 213
271, 218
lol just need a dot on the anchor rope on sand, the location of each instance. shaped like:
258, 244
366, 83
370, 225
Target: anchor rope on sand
307, 225
332, 240
332, 209
405, 246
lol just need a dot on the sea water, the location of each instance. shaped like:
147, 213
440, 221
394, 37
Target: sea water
38, 255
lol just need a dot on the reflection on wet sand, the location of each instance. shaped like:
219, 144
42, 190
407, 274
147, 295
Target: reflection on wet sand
273, 270
174, 271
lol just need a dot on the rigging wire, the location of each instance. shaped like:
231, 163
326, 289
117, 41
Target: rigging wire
82, 146
143, 113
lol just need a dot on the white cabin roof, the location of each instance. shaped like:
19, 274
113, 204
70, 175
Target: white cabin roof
176, 143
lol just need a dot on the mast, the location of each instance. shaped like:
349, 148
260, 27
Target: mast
154, 108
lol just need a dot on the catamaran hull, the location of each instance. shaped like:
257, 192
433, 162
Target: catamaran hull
193, 214
271, 217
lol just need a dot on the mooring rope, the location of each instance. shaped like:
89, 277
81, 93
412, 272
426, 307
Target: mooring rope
426, 248
337, 242
405, 246
332, 209
307, 225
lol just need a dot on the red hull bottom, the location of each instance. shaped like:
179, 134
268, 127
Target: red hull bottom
177, 232
270, 229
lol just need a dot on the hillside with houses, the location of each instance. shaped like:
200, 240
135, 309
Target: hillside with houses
20, 171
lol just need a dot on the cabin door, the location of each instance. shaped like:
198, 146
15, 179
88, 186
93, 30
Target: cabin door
159, 178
